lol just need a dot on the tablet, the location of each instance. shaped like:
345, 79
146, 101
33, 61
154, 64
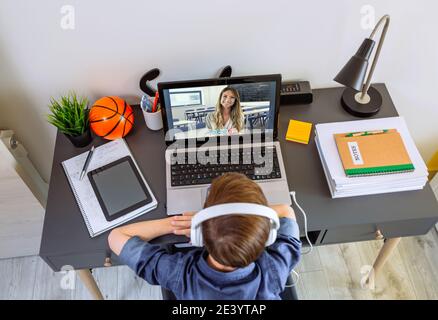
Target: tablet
119, 188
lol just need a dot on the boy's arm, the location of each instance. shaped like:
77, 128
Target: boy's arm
285, 252
288, 221
284, 211
180, 225
148, 230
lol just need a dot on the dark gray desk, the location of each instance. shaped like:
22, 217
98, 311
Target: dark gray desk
65, 239
356, 218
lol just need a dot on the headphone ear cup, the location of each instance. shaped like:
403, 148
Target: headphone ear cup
196, 237
272, 234
200, 238
272, 237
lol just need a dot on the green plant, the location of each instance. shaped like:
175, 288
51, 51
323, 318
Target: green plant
69, 114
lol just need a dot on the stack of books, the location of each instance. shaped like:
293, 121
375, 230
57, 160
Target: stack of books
369, 157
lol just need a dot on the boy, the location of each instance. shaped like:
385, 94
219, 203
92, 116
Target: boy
235, 264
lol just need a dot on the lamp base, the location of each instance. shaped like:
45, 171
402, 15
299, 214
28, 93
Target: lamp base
359, 109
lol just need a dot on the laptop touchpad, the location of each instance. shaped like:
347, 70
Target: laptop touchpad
182, 200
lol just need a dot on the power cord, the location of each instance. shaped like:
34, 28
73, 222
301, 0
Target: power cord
293, 194
297, 276
294, 281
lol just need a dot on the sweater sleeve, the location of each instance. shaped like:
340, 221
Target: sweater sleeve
152, 263
284, 254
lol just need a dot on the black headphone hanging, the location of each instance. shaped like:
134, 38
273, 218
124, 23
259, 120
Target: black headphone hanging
226, 72
154, 73
149, 76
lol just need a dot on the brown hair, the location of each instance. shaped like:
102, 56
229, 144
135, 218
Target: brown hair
235, 240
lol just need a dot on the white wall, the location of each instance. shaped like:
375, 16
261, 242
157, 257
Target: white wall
115, 42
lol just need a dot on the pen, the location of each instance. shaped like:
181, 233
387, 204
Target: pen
148, 105
365, 133
87, 162
145, 104
155, 102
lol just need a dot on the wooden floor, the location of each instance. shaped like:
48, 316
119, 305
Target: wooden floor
329, 272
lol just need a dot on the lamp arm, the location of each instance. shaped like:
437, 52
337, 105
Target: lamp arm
385, 19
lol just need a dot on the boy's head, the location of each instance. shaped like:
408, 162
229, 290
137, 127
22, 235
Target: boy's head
235, 240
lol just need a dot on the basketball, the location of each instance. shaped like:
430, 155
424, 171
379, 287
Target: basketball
111, 118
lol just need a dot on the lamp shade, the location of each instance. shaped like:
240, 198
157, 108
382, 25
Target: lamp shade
353, 73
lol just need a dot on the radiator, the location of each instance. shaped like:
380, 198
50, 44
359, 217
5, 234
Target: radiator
18, 158
23, 195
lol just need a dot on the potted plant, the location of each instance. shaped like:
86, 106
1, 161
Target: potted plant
70, 116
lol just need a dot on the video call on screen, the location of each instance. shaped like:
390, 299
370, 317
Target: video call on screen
200, 110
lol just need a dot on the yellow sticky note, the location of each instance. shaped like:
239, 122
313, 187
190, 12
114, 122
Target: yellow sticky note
298, 131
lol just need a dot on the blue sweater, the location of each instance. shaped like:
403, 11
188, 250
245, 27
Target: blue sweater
189, 276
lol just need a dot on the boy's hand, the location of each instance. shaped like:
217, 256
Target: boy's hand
181, 224
284, 211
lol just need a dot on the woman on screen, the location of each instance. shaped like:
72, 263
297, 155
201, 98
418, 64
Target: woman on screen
228, 114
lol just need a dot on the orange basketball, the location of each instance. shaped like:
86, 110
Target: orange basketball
111, 118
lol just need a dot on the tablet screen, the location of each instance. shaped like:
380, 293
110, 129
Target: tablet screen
119, 188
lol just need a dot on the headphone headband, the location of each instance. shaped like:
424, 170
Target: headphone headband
233, 208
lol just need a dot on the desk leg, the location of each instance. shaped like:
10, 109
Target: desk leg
388, 247
89, 282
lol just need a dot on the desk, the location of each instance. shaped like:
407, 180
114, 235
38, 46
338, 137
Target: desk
255, 111
65, 239
254, 115
191, 124
198, 113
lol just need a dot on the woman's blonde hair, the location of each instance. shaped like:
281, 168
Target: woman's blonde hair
236, 114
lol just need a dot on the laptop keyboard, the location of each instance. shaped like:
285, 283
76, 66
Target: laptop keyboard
261, 164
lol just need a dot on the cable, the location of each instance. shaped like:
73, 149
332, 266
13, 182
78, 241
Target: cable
292, 193
294, 282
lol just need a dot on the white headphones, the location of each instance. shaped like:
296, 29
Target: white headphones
233, 208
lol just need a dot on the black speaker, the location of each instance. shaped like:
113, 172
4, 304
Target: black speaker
296, 92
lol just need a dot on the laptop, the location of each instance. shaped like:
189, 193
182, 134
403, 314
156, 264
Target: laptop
215, 126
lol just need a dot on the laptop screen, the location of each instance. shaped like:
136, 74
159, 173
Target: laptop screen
220, 107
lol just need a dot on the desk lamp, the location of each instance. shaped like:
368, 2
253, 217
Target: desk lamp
360, 99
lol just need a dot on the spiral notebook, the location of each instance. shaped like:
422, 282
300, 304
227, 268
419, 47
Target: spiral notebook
83, 191
373, 153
